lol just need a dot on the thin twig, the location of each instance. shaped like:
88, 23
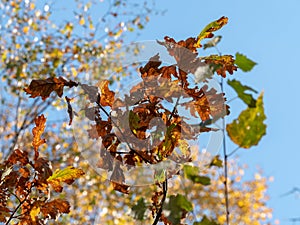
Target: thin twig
165, 190
234, 151
225, 164
174, 109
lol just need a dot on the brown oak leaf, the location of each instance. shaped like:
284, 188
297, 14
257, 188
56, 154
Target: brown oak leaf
44, 87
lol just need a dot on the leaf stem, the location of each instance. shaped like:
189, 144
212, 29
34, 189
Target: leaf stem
234, 151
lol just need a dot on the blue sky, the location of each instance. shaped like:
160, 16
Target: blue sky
267, 32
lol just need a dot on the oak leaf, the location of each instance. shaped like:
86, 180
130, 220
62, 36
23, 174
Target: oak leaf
44, 87
224, 63
37, 131
66, 175
55, 207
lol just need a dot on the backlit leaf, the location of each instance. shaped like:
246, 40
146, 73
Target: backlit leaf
44, 87
243, 62
37, 131
34, 213
107, 96
248, 129
66, 175
207, 31
241, 91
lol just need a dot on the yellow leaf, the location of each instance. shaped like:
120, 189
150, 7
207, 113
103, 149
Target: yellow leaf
18, 46
34, 212
66, 175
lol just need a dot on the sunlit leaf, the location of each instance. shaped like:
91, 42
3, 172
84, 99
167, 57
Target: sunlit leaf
207, 31
248, 129
107, 96
244, 63
37, 131
241, 91
66, 175
34, 213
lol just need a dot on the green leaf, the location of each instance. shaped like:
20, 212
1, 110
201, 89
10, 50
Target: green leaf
241, 92
216, 161
205, 221
243, 62
176, 205
139, 209
248, 129
160, 175
191, 172
213, 42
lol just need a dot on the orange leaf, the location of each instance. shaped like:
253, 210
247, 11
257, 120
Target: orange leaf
107, 96
37, 131
44, 87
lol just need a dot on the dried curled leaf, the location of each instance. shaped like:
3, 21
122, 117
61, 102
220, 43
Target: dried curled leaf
207, 31
18, 156
66, 175
37, 132
44, 87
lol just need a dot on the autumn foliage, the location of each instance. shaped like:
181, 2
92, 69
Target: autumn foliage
128, 141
